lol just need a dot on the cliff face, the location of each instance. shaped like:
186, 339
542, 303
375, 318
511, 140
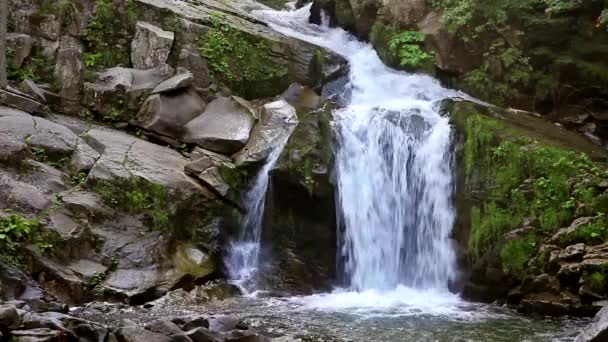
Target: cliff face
128, 138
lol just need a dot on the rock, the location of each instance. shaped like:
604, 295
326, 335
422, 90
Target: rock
168, 328
9, 317
20, 101
223, 323
597, 330
32, 89
208, 172
22, 45
203, 335
36, 335
118, 91
136, 334
550, 304
178, 82
224, 126
168, 114
191, 322
564, 234
50, 27
197, 65
69, 74
302, 98
278, 120
151, 46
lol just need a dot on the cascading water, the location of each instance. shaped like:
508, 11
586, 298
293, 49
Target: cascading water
394, 170
243, 256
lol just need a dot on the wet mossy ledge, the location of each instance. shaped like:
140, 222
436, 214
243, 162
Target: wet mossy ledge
526, 189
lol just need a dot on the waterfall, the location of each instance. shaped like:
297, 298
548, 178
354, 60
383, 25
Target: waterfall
243, 256
393, 166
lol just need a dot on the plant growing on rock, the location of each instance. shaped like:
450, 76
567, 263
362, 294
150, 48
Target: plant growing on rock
407, 46
16, 230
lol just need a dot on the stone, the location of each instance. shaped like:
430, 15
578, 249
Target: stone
9, 317
168, 114
203, 335
20, 101
22, 45
197, 65
50, 27
69, 74
36, 335
32, 89
151, 46
191, 322
278, 120
177, 82
136, 334
168, 328
302, 98
223, 127
208, 172
223, 323
564, 233
597, 330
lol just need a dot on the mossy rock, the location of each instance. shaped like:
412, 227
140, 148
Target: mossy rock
514, 166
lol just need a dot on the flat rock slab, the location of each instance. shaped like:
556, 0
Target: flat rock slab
151, 46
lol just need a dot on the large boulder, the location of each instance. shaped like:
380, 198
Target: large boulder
223, 127
277, 122
151, 46
597, 330
168, 113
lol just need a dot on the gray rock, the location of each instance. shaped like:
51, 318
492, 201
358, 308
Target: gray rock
575, 225
21, 101
223, 323
50, 27
207, 171
69, 74
183, 80
32, 89
22, 45
83, 158
136, 334
302, 98
203, 335
167, 114
151, 46
197, 65
168, 328
36, 335
597, 330
278, 121
224, 127
9, 317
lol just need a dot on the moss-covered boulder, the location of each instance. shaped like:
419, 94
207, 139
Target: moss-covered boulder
520, 180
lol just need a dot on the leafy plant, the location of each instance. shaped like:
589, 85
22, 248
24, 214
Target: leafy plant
14, 230
407, 46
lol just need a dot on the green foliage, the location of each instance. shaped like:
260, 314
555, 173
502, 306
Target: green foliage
111, 24
525, 179
139, 196
598, 282
407, 46
531, 51
16, 230
37, 68
516, 254
242, 60
98, 278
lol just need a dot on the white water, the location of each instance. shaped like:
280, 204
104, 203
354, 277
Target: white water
394, 175
242, 261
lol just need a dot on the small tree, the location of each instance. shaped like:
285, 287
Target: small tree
3, 24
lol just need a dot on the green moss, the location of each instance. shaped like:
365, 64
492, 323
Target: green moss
37, 68
380, 37
598, 282
516, 254
241, 60
186, 265
236, 177
344, 14
139, 196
